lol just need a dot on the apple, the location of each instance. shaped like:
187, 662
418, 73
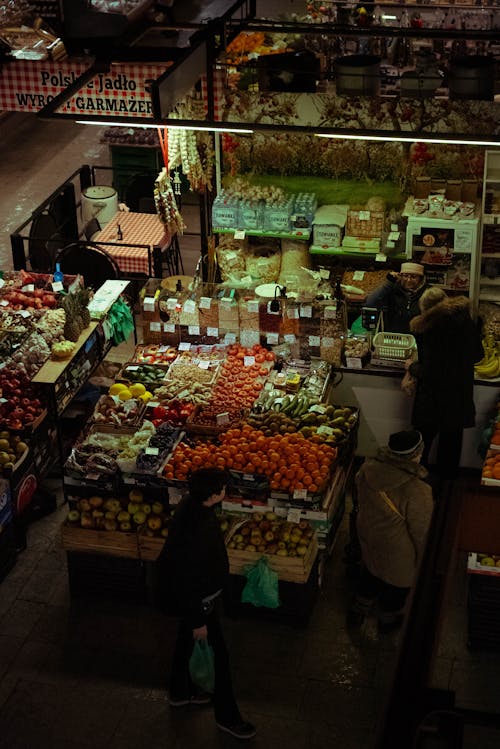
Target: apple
258, 517
301, 550
250, 547
154, 522
139, 517
110, 524
136, 495
86, 520
157, 508
123, 516
164, 532
73, 516
125, 527
133, 507
112, 505
108, 515
83, 505
146, 508
96, 502
269, 536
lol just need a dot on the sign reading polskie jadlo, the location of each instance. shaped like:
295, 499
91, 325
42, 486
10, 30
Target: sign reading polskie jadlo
29, 85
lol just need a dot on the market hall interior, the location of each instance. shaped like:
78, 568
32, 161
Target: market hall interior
80, 674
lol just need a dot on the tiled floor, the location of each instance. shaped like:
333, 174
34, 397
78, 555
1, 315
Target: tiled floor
79, 674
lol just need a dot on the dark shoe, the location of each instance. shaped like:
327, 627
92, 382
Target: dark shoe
240, 730
197, 699
391, 626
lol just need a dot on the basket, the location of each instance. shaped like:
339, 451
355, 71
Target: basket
393, 345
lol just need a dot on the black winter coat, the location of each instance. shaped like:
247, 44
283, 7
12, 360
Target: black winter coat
398, 306
449, 344
194, 562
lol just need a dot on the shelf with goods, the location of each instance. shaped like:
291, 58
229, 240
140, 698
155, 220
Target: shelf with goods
490, 231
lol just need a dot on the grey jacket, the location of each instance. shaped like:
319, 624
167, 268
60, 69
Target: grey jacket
392, 546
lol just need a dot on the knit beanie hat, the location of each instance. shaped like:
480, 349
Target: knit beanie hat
405, 443
412, 268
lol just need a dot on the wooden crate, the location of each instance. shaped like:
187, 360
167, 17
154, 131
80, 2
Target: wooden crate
150, 547
111, 543
291, 569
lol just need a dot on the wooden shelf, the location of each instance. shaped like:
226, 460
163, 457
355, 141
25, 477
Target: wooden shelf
53, 368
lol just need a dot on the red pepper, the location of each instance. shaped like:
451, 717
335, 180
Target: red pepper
160, 412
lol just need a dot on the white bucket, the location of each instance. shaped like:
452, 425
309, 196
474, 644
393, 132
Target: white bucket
100, 202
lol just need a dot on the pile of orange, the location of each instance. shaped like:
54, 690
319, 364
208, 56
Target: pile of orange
290, 461
491, 466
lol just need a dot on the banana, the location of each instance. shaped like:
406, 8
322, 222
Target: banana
490, 369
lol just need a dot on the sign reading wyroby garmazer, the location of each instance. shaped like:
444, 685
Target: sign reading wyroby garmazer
28, 85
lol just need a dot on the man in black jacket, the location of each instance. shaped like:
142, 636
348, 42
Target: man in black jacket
196, 565
398, 297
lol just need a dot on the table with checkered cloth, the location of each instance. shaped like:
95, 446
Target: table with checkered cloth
137, 229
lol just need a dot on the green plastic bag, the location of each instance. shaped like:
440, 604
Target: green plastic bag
202, 666
121, 321
261, 588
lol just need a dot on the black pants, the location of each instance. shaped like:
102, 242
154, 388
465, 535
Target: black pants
370, 589
181, 687
449, 449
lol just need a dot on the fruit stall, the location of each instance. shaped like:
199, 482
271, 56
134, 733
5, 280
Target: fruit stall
252, 410
49, 347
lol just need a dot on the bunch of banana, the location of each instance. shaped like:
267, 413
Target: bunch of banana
489, 366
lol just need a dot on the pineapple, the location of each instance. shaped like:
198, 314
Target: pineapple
84, 296
72, 329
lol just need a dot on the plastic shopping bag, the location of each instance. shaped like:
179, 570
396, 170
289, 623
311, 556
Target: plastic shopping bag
261, 588
202, 666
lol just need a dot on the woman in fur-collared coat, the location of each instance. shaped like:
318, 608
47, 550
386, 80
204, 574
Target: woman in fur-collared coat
449, 344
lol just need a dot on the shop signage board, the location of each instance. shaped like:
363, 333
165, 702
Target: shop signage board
29, 85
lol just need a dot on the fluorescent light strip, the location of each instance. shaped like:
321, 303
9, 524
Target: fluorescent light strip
162, 126
410, 139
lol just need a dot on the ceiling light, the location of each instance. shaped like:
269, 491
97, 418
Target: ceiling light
462, 140
163, 126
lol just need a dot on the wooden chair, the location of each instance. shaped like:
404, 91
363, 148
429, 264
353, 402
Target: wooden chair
91, 228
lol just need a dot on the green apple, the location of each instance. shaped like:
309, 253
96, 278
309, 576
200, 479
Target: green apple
123, 517
157, 508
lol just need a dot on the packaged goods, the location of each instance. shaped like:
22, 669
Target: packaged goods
295, 257
263, 262
231, 257
329, 222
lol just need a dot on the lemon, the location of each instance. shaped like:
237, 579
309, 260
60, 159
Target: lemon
487, 562
146, 396
116, 388
137, 389
125, 395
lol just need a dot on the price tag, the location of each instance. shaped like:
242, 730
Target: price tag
189, 306
155, 326
151, 451
292, 313
289, 338
353, 362
3, 400
314, 341
204, 364
328, 342
222, 418
324, 273
318, 408
380, 257
2, 282
230, 338
171, 303
389, 245
161, 349
249, 361
24, 313
148, 304
169, 327
323, 429
205, 302
213, 332
4, 303
184, 346
394, 236
132, 368
183, 393
246, 280
28, 287
226, 301
248, 477
153, 404
364, 215
57, 286
194, 329
239, 234
330, 312
253, 305
306, 310
92, 476
394, 227
272, 338
358, 275
299, 494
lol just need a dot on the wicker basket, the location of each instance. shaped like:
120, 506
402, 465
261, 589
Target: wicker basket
393, 345
365, 223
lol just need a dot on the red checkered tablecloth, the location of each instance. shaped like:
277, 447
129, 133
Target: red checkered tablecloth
137, 229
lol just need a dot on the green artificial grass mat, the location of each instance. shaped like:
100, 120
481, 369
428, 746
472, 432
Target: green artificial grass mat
330, 190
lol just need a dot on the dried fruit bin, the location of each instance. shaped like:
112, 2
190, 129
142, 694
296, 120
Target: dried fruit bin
111, 543
154, 354
194, 426
184, 371
291, 569
109, 402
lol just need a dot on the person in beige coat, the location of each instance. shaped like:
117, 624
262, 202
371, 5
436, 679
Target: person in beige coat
395, 510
